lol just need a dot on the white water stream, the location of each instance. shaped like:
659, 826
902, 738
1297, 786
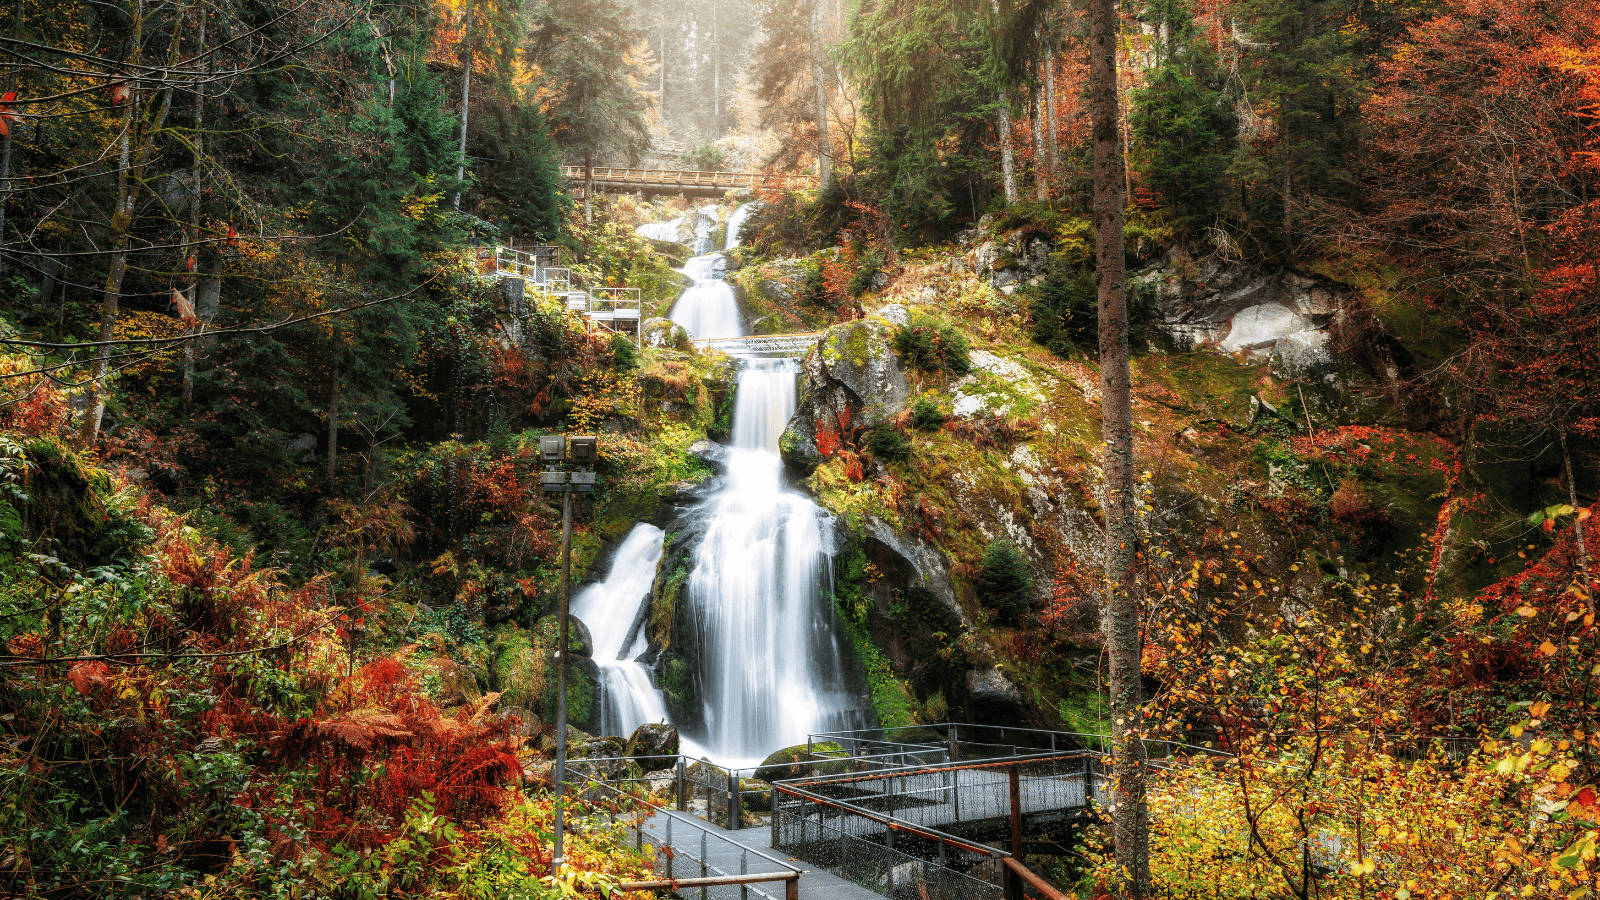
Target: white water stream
612, 610
771, 670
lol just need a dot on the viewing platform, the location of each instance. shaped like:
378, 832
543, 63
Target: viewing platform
676, 181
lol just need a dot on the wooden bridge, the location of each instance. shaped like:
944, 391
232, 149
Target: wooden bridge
675, 181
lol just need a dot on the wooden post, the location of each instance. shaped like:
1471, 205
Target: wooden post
1013, 884
950, 735
1016, 810
791, 888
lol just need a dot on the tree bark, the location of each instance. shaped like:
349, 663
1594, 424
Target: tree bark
1008, 165
819, 75
1572, 500
1041, 185
130, 172
1050, 112
466, 93
1121, 607
191, 240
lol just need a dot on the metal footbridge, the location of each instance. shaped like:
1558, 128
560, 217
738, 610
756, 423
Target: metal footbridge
677, 181
794, 344
940, 812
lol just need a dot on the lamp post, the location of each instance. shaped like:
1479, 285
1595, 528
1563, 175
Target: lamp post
581, 451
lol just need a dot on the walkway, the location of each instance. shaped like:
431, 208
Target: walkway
722, 852
675, 181
796, 344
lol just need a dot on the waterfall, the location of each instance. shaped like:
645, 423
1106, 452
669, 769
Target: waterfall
708, 309
770, 658
613, 610
736, 222
771, 666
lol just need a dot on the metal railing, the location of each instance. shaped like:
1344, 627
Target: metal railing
678, 178
693, 849
796, 343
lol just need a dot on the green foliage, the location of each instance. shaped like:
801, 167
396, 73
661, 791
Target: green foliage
927, 414
1185, 128
870, 263
1066, 311
703, 157
933, 346
624, 355
1005, 584
889, 444
892, 702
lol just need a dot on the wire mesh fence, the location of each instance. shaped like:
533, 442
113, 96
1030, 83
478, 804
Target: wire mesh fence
914, 867
684, 850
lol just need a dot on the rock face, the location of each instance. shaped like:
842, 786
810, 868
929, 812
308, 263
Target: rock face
1262, 316
852, 379
1011, 259
711, 453
790, 762
664, 333
993, 699
654, 747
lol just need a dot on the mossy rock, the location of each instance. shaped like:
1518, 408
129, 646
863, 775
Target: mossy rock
794, 762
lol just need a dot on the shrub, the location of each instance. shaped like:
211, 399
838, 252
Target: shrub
927, 414
889, 443
933, 346
624, 355
1005, 583
1066, 312
871, 264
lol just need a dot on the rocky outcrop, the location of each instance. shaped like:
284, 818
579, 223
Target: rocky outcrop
1260, 315
993, 699
654, 747
853, 379
664, 333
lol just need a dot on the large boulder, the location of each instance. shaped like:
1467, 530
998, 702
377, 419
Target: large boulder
793, 762
547, 633
993, 700
852, 379
664, 333
654, 747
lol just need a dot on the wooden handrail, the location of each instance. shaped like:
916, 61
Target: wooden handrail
1039, 884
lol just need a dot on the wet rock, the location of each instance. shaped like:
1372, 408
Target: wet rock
755, 794
711, 453
655, 747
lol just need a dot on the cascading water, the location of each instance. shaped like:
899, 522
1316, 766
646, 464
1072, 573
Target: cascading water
613, 610
708, 309
771, 668
736, 222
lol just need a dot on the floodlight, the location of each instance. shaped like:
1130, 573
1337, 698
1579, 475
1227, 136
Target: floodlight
584, 449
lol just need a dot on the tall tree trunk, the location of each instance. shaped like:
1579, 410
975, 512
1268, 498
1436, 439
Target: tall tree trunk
716, 73
820, 76
466, 94
662, 101
1008, 165
191, 238
1050, 112
131, 164
588, 188
5, 191
1041, 184
1120, 615
333, 422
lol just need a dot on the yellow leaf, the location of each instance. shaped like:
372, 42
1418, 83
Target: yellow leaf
1526, 611
1547, 648
1365, 867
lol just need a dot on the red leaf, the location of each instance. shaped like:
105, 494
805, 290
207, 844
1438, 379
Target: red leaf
185, 308
86, 676
119, 91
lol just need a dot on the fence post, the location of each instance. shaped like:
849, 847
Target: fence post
670, 852
888, 827
773, 792
744, 869
1013, 883
734, 801
683, 800
791, 888
1088, 780
1016, 809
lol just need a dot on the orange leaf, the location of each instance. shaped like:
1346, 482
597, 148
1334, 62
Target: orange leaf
185, 308
1547, 649
86, 676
